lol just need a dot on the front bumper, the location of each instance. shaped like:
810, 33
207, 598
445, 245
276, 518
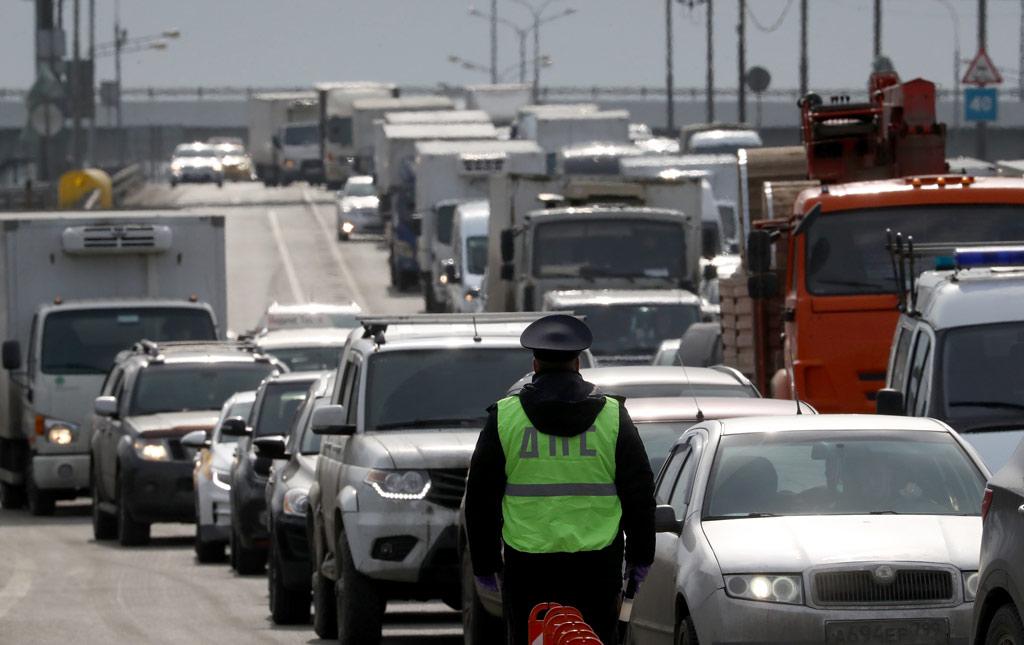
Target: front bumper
214, 508
292, 542
724, 620
61, 472
157, 491
361, 221
198, 176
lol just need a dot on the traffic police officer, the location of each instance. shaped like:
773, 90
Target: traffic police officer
560, 474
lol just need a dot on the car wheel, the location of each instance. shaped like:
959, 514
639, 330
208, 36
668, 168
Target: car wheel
325, 614
1005, 628
287, 606
40, 502
479, 627
11, 496
129, 532
207, 552
343, 237
248, 562
686, 634
359, 603
104, 525
392, 272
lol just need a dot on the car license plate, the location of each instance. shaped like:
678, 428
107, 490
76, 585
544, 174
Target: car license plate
900, 632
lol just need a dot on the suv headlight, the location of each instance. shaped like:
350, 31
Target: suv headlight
296, 502
399, 484
222, 480
59, 433
971, 581
788, 589
152, 449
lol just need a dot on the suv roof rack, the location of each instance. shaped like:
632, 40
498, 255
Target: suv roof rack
375, 326
155, 349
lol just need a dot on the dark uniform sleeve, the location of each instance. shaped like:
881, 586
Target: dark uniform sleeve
485, 489
635, 484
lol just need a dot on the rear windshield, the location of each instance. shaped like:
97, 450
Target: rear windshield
278, 406
170, 388
439, 388
86, 342
636, 329
658, 439
308, 359
360, 189
646, 390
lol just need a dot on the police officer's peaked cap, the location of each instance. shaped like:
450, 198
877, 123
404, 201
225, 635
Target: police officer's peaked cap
558, 337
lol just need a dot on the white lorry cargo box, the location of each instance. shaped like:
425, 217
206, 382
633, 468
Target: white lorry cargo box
366, 111
396, 144
449, 117
266, 114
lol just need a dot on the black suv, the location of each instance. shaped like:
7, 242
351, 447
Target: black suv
152, 396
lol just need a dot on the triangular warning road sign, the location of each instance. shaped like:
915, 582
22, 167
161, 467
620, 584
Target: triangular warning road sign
982, 71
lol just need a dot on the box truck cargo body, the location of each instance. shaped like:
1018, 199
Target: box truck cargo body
267, 113
366, 111
337, 145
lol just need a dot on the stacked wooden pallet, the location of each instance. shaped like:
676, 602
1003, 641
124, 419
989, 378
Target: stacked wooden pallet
737, 317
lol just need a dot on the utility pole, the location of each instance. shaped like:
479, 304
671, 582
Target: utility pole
710, 56
92, 64
803, 48
877, 51
119, 38
670, 110
981, 129
494, 42
76, 90
45, 42
741, 57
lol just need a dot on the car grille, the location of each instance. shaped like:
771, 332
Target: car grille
447, 486
865, 587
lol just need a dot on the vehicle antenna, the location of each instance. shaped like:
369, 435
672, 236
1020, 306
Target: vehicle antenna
912, 276
689, 387
476, 334
791, 374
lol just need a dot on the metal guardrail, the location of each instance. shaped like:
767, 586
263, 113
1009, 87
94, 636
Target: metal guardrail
125, 181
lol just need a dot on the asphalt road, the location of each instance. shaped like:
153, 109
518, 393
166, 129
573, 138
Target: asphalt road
57, 585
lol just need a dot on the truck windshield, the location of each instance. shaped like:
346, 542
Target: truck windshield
476, 255
626, 248
846, 252
842, 473
308, 359
981, 374
170, 388
301, 135
86, 341
636, 329
445, 219
277, 409
439, 388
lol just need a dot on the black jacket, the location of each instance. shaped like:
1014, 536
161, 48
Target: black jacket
563, 404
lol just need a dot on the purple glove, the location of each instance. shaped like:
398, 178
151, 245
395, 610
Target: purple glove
636, 573
488, 583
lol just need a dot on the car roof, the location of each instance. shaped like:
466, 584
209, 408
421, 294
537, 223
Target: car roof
296, 377
971, 297
829, 422
303, 337
360, 179
668, 409
577, 297
606, 377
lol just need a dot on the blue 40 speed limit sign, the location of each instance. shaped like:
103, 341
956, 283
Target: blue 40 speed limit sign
981, 104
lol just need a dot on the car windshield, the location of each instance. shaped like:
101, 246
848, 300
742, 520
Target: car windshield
445, 219
301, 135
842, 473
636, 329
87, 341
647, 390
981, 373
846, 251
171, 388
476, 255
278, 405
995, 446
658, 439
595, 249
360, 189
439, 388
308, 359
240, 409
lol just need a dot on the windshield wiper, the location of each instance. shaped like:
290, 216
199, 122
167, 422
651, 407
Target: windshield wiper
433, 423
987, 404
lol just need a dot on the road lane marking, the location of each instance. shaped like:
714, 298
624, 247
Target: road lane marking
354, 289
289, 267
17, 586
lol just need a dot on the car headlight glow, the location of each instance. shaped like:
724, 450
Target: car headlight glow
971, 581
222, 480
471, 295
399, 484
60, 433
289, 163
296, 502
348, 227
787, 589
152, 449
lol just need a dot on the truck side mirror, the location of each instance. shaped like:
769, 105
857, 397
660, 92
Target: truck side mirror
710, 241
665, 520
763, 286
332, 420
12, 355
759, 251
234, 427
889, 401
449, 272
508, 245
105, 406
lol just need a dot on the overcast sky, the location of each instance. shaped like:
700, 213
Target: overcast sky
608, 42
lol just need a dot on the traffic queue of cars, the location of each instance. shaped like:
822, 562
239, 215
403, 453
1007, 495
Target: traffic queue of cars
216, 161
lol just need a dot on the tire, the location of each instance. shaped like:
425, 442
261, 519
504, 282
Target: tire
129, 531
248, 562
208, 552
392, 272
325, 614
1005, 628
360, 605
479, 627
11, 497
104, 525
343, 237
287, 606
40, 502
686, 633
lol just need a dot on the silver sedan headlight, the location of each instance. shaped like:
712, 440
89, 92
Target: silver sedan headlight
971, 580
787, 589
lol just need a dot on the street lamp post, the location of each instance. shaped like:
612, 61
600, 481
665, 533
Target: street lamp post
538, 20
522, 33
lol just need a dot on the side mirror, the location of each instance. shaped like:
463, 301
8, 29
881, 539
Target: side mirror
332, 420
508, 245
665, 520
710, 242
889, 401
12, 355
105, 406
763, 286
234, 427
272, 447
449, 272
759, 251
196, 439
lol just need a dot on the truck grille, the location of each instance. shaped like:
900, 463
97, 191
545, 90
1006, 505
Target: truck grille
447, 486
867, 587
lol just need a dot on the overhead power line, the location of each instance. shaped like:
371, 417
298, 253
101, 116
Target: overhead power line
775, 25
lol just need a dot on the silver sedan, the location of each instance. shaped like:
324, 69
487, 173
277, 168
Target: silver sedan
814, 529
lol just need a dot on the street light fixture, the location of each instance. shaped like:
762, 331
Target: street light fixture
521, 33
540, 19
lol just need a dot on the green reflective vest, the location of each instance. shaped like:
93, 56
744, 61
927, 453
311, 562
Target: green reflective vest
560, 494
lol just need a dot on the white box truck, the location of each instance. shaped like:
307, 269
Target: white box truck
366, 111
439, 117
450, 172
77, 288
337, 146
267, 113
